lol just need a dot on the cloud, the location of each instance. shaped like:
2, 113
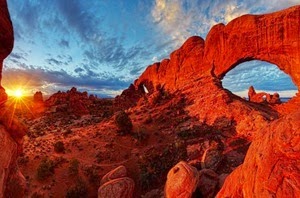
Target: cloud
64, 43
180, 19
18, 56
50, 81
54, 62
262, 75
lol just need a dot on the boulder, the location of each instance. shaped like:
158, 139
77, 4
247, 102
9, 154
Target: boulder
182, 181
117, 188
208, 183
116, 184
118, 172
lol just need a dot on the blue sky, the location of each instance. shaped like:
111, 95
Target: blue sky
101, 46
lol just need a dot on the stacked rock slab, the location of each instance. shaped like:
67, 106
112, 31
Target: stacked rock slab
116, 184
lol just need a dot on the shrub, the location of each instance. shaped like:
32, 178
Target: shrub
45, 169
59, 147
140, 135
155, 163
123, 122
79, 190
73, 167
92, 174
67, 132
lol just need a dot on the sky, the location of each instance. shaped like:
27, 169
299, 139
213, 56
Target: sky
101, 46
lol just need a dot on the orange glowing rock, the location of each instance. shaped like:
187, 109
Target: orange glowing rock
182, 181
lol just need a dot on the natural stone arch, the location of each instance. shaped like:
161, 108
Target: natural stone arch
274, 38
269, 80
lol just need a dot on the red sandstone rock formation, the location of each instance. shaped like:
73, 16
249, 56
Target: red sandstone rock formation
38, 97
116, 184
250, 37
196, 70
182, 181
71, 101
271, 167
38, 103
118, 172
12, 182
6, 41
263, 97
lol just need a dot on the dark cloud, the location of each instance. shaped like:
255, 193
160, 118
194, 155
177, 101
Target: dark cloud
54, 62
64, 43
38, 78
78, 70
18, 56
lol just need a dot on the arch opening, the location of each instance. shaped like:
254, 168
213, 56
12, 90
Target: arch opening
266, 78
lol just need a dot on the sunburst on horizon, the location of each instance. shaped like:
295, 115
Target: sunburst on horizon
18, 93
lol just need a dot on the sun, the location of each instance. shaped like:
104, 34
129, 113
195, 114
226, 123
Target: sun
18, 93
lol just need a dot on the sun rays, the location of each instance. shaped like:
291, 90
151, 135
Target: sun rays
18, 103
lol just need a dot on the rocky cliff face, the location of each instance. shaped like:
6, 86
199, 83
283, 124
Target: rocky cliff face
12, 182
6, 41
271, 167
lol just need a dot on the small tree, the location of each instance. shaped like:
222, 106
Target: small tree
45, 169
123, 122
59, 147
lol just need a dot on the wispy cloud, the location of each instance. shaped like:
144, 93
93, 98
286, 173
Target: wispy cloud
262, 75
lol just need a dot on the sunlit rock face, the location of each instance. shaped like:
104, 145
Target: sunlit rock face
198, 66
6, 41
271, 167
271, 37
182, 181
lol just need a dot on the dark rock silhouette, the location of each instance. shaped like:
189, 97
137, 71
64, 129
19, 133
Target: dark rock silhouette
6, 41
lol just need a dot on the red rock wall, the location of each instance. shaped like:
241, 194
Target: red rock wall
6, 41
271, 167
180, 69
